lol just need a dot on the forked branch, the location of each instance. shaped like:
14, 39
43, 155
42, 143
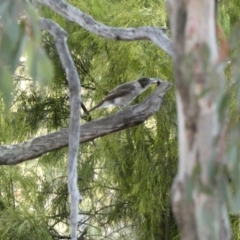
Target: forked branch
154, 34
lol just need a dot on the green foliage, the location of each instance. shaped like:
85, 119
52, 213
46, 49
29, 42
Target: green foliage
229, 12
18, 37
143, 166
124, 178
22, 225
20, 216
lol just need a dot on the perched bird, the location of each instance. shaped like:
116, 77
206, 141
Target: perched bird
125, 93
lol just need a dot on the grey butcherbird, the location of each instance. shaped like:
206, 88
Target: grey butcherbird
125, 93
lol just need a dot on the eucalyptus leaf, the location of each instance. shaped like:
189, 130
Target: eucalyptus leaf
233, 200
39, 65
4, 6
6, 85
31, 60
223, 104
33, 19
45, 69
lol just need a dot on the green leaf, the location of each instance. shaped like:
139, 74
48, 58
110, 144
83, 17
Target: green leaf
32, 15
39, 65
4, 6
233, 200
6, 85
223, 105
31, 63
45, 69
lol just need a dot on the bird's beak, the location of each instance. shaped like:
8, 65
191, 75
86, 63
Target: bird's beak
155, 80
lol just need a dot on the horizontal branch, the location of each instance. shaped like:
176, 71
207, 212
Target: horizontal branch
154, 34
36, 147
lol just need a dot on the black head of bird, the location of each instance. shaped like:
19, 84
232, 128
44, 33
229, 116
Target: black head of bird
126, 93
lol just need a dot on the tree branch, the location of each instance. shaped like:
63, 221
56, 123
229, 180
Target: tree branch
133, 116
156, 35
60, 37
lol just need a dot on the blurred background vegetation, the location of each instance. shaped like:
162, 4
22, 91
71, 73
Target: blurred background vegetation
125, 178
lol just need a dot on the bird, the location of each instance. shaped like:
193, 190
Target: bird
125, 93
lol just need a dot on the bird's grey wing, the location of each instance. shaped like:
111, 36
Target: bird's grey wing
117, 93
121, 90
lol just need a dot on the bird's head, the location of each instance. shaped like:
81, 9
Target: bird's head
145, 82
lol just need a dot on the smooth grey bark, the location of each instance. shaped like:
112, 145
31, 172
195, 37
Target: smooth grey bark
60, 37
156, 35
197, 193
132, 116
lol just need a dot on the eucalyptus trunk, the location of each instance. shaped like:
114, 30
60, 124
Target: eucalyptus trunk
197, 193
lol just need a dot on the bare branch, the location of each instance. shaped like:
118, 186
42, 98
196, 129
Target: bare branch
60, 37
156, 35
133, 116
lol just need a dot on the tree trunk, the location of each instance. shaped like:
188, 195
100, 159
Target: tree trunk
197, 193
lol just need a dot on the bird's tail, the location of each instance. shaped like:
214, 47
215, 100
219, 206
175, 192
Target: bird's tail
97, 106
